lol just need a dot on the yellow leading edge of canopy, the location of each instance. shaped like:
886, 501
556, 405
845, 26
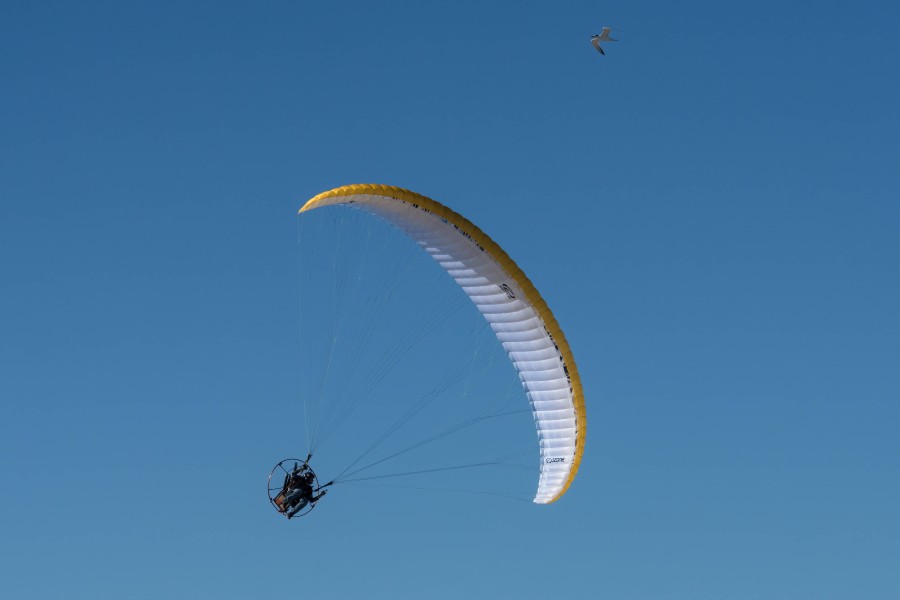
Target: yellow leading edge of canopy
508, 265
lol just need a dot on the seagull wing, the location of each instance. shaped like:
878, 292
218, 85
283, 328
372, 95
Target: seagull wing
596, 42
604, 35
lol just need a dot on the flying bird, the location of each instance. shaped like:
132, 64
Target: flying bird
603, 36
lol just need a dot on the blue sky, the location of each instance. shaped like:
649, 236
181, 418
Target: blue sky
711, 210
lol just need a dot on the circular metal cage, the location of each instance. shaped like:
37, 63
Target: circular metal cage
278, 485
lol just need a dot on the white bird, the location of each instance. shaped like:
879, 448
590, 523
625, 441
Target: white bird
603, 36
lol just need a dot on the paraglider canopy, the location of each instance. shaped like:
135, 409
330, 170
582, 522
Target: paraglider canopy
294, 488
514, 309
